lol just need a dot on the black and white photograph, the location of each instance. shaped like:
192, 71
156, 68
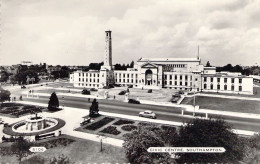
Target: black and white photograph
129, 81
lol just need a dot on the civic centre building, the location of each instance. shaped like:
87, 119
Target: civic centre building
156, 73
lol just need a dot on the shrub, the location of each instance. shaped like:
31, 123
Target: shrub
150, 91
99, 123
129, 127
122, 93
122, 122
111, 130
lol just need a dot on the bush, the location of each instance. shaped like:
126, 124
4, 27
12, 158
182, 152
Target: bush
129, 127
111, 130
133, 101
150, 91
99, 123
122, 122
85, 92
122, 93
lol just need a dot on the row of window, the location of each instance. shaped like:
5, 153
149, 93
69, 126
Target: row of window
89, 74
90, 80
126, 80
176, 76
225, 87
125, 75
176, 65
225, 80
88, 85
175, 83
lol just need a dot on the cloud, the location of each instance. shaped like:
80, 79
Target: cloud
71, 32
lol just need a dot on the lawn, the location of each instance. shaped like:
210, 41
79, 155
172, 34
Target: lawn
256, 93
17, 110
79, 151
225, 104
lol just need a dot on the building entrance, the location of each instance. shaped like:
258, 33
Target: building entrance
148, 77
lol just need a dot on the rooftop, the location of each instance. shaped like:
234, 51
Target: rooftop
169, 59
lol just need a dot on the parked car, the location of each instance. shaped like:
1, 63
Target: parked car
93, 89
85, 121
133, 101
181, 92
23, 87
148, 114
6, 124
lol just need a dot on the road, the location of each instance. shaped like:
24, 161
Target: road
162, 112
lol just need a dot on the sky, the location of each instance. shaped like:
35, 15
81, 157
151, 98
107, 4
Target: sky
72, 32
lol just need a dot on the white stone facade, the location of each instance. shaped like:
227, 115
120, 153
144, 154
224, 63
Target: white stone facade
174, 73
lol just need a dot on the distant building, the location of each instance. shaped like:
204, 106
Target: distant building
173, 73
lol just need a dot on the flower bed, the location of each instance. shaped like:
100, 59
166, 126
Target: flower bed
111, 130
129, 127
122, 122
99, 123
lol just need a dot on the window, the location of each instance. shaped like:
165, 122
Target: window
218, 87
180, 83
186, 77
240, 81
205, 86
232, 80
82, 74
225, 87
170, 77
175, 77
211, 86
79, 74
165, 82
190, 78
225, 80
240, 88
180, 77
127, 75
186, 83
128, 80
175, 83
79, 79
211, 79
205, 79
232, 88
170, 82
218, 80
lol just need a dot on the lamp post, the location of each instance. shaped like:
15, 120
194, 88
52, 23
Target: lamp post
101, 137
194, 103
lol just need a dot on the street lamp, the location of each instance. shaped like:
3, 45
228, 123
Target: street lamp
101, 137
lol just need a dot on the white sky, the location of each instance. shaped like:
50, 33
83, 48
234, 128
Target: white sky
71, 32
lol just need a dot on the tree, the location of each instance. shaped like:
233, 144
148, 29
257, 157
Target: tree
21, 148
132, 64
53, 102
208, 64
93, 110
137, 143
4, 95
209, 133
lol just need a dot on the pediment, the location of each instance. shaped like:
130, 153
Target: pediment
149, 65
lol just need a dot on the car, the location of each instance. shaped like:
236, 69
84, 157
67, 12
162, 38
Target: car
148, 114
133, 101
6, 125
85, 121
23, 87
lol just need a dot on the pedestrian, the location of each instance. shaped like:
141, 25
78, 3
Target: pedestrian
21, 98
114, 97
88, 99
